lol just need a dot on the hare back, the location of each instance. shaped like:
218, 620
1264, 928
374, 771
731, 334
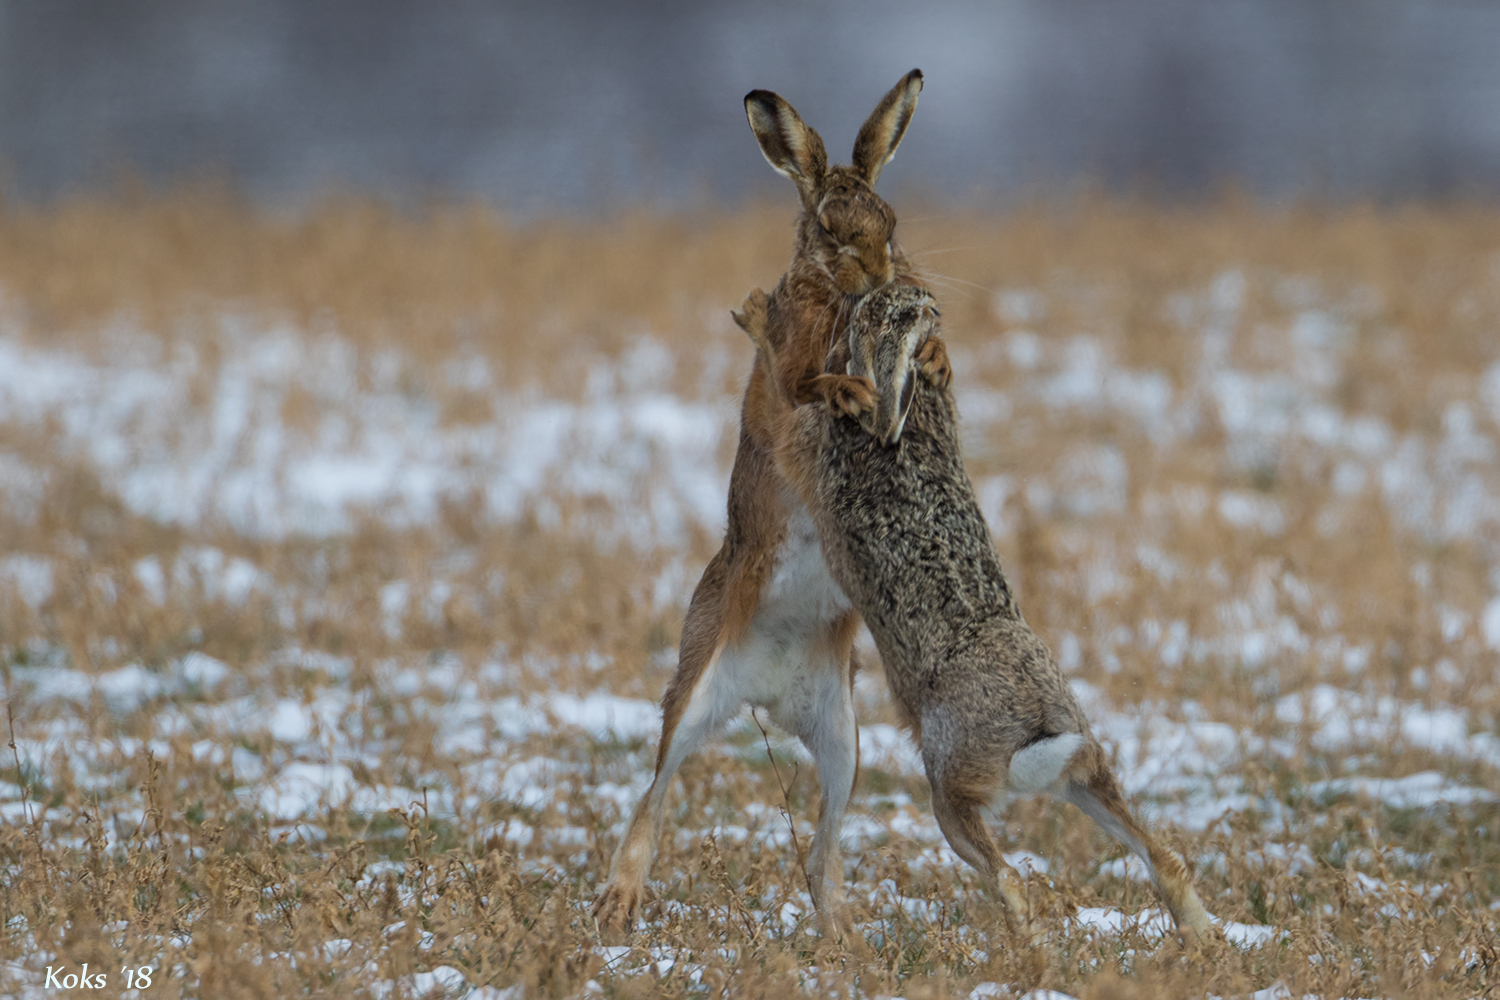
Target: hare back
904, 537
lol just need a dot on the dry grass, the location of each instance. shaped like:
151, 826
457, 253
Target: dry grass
1231, 456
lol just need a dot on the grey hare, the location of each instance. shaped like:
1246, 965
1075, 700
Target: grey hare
767, 625
904, 538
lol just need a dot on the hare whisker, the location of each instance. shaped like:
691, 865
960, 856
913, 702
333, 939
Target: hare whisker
936, 250
938, 278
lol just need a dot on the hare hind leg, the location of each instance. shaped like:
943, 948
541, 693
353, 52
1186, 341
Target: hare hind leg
959, 810
831, 734
712, 701
766, 666
1099, 798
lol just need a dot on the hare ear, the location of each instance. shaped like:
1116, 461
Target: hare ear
903, 407
786, 141
882, 131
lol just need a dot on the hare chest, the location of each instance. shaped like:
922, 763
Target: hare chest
787, 662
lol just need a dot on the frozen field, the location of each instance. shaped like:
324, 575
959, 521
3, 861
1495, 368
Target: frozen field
342, 562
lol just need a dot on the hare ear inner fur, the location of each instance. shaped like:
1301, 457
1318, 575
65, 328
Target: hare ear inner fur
882, 131
787, 143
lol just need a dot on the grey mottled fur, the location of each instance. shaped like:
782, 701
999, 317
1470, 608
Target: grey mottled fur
903, 535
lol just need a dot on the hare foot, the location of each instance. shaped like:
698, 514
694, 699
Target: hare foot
846, 395
932, 360
752, 317
615, 909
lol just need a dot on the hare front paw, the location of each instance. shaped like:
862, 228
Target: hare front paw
753, 313
932, 361
847, 395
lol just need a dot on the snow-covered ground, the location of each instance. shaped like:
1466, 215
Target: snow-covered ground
212, 452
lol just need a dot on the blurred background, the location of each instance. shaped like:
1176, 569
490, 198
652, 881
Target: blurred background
578, 104
368, 399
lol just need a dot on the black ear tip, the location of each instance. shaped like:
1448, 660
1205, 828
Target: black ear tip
762, 97
915, 74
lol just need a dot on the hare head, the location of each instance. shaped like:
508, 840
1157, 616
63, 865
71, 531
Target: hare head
845, 228
888, 327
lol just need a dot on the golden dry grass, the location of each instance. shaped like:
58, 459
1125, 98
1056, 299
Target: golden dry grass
1232, 457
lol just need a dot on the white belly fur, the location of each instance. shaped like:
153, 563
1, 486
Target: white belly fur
784, 662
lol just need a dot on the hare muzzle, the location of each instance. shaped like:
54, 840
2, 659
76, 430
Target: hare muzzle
858, 224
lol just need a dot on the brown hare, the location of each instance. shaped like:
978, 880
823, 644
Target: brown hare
904, 539
767, 625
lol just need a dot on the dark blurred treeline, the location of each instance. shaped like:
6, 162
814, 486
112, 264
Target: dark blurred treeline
579, 104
